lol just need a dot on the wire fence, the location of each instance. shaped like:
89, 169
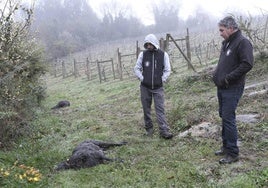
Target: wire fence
116, 60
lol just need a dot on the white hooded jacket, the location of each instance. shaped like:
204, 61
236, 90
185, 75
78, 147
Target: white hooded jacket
151, 38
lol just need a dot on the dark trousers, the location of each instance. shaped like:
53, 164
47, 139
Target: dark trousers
147, 95
228, 101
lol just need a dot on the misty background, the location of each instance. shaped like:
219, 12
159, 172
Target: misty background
69, 26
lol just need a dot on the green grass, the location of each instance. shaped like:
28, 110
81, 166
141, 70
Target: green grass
112, 112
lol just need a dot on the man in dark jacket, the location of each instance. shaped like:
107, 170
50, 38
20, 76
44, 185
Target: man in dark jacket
153, 69
236, 59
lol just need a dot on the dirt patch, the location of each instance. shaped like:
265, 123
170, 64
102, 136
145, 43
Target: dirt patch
204, 129
208, 130
248, 118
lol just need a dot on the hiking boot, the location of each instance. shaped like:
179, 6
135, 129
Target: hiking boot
220, 152
166, 135
228, 159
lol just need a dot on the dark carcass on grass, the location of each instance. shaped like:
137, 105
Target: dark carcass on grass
89, 153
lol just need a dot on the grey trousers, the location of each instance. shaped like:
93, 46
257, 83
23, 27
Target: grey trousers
146, 99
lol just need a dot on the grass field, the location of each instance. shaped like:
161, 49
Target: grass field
111, 111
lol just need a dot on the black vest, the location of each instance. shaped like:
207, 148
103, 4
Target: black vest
153, 66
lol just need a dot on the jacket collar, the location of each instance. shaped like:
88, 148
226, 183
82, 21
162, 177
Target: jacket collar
233, 36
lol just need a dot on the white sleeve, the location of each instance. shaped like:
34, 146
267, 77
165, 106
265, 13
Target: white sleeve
138, 67
167, 69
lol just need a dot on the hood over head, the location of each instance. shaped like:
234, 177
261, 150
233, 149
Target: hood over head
151, 38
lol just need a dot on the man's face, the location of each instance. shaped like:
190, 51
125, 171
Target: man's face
225, 32
149, 46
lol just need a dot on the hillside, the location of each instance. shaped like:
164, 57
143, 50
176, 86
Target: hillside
111, 111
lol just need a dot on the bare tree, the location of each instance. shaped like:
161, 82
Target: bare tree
115, 9
118, 21
166, 16
255, 29
65, 26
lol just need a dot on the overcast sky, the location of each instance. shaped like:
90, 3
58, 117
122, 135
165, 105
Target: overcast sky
217, 8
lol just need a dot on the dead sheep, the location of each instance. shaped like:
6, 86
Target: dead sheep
87, 154
61, 104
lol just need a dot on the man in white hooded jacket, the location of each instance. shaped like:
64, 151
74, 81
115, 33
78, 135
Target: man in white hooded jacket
153, 69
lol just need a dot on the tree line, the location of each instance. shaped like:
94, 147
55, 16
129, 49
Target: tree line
69, 26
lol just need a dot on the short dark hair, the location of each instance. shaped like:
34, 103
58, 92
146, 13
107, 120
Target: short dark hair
228, 22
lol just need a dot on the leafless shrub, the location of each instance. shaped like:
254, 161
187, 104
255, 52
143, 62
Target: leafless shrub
256, 30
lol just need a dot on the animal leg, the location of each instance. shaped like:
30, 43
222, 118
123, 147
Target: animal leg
107, 145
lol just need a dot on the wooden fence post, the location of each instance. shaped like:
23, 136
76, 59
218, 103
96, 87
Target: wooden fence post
88, 73
99, 70
63, 69
138, 50
113, 67
188, 48
75, 69
120, 64
167, 42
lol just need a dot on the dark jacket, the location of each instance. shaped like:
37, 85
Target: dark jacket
153, 66
236, 59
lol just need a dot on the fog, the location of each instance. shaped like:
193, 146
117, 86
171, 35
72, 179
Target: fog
187, 8
69, 26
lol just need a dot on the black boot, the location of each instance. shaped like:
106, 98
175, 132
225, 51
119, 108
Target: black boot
228, 159
166, 134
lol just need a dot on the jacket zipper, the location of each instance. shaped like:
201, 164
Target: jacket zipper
153, 71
